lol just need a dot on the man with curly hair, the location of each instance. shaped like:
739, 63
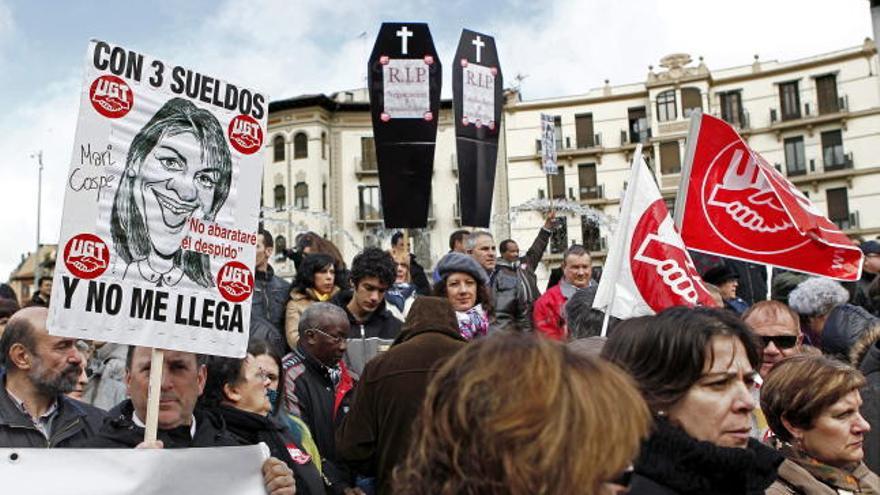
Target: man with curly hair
373, 327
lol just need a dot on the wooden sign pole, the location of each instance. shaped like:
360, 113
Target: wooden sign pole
152, 420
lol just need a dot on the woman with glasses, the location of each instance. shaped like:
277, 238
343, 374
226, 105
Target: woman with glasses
237, 391
696, 370
812, 404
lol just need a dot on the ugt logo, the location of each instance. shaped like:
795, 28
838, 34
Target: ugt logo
111, 96
245, 134
86, 256
235, 281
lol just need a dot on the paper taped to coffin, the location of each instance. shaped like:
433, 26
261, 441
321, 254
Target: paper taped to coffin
404, 82
477, 87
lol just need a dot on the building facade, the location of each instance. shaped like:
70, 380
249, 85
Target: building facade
816, 119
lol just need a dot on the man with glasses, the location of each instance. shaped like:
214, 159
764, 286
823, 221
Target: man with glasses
779, 330
317, 384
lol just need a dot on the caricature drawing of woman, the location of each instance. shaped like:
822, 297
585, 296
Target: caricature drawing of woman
178, 167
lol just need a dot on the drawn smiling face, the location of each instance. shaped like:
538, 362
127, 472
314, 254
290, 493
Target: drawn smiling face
174, 185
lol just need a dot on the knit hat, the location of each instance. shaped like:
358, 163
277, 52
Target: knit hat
717, 275
461, 263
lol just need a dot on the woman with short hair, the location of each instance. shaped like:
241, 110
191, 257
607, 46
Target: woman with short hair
463, 282
696, 370
521, 415
812, 406
315, 282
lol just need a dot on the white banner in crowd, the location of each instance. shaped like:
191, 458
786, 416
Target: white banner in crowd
648, 267
217, 471
161, 205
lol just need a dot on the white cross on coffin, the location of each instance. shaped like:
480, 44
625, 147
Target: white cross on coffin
404, 34
479, 44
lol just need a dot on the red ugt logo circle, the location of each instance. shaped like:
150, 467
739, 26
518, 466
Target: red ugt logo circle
86, 256
111, 96
235, 281
245, 134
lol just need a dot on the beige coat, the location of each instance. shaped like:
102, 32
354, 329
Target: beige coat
298, 303
794, 479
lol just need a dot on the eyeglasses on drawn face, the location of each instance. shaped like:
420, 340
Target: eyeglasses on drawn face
336, 340
780, 341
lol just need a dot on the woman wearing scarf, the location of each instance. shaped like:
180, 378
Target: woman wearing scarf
812, 406
463, 283
315, 282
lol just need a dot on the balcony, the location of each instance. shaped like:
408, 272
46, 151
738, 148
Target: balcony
843, 169
846, 162
592, 192
851, 222
807, 116
629, 139
365, 168
369, 216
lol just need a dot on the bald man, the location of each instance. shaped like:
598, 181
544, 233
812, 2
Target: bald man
40, 369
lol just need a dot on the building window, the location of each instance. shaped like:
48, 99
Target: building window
370, 205
838, 207
324, 196
559, 237
832, 150
639, 129
826, 94
301, 195
583, 129
278, 149
691, 100
795, 163
556, 184
790, 100
670, 158
300, 145
324, 145
280, 245
368, 154
666, 106
557, 129
731, 108
280, 197
587, 181
591, 235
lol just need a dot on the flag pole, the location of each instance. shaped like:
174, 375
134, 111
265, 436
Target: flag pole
623, 227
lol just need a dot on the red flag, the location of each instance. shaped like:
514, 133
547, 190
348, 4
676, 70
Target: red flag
733, 203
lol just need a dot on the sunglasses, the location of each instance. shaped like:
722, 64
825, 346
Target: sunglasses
780, 341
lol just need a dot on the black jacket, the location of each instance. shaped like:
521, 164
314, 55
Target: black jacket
310, 394
842, 329
75, 423
673, 463
367, 339
270, 299
250, 429
375, 435
862, 293
120, 432
418, 276
509, 300
870, 367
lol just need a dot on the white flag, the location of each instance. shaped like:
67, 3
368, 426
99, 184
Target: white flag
648, 268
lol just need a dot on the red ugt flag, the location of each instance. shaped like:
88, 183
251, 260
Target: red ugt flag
733, 203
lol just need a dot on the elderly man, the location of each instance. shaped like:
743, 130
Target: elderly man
779, 329
510, 299
181, 423
40, 370
549, 317
317, 384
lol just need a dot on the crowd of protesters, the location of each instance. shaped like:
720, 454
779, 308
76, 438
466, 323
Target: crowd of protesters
378, 377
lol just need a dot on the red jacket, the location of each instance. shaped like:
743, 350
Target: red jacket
548, 316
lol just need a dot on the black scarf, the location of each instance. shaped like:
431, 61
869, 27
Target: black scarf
672, 458
252, 429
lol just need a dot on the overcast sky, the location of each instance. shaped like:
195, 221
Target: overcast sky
291, 47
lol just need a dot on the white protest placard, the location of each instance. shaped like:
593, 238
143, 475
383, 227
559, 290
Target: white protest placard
478, 94
218, 471
161, 205
548, 145
407, 93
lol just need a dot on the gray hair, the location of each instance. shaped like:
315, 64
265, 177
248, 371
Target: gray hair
817, 296
319, 314
470, 242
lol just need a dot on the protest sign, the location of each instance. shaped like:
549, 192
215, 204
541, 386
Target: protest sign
648, 267
732, 203
477, 86
161, 206
404, 84
218, 471
548, 145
